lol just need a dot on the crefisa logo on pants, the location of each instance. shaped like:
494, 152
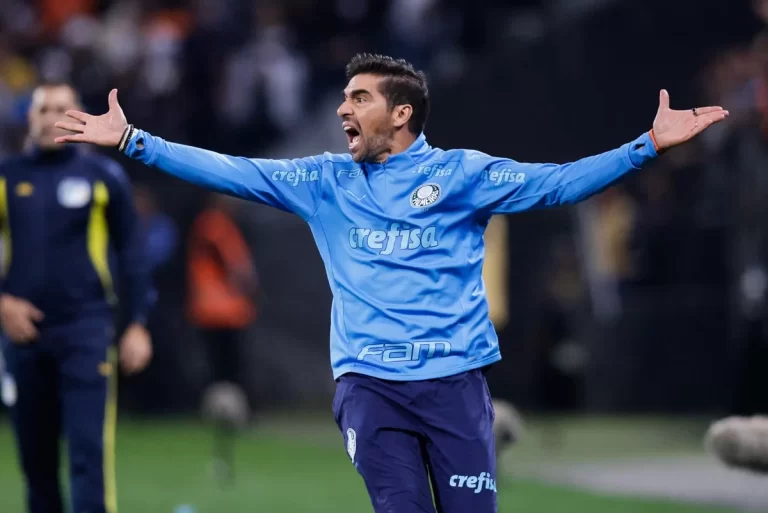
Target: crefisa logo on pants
476, 483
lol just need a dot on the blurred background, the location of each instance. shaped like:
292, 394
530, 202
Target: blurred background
626, 323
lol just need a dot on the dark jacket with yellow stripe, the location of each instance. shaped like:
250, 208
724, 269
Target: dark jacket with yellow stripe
64, 214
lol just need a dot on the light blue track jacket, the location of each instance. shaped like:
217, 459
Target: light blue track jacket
402, 241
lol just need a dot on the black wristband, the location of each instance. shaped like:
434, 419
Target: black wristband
131, 135
123, 136
126, 138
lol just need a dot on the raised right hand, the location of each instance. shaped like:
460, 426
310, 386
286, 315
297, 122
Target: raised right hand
104, 130
674, 127
18, 317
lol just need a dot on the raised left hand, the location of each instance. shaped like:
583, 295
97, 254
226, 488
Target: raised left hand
104, 130
135, 349
674, 127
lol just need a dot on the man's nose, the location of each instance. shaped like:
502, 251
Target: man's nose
343, 110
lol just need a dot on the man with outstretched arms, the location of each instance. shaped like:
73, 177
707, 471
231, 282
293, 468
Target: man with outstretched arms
399, 225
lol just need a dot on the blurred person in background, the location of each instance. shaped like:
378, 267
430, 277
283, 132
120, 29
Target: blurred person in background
159, 229
264, 82
62, 211
148, 390
17, 78
559, 359
223, 286
607, 224
411, 338
740, 76
507, 423
617, 215
496, 270
55, 13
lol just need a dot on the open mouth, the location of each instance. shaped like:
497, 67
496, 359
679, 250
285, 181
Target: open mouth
353, 136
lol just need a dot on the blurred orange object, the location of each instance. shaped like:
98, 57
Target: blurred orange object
173, 23
220, 274
55, 13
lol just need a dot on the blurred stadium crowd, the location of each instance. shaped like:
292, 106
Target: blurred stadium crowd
230, 74
664, 276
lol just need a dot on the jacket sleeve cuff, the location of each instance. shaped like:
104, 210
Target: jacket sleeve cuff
642, 150
139, 318
141, 147
138, 313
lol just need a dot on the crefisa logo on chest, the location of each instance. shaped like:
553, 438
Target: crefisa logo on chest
425, 195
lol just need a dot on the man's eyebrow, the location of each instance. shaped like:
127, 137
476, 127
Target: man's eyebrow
356, 92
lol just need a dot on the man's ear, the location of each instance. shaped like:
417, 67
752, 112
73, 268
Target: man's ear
401, 114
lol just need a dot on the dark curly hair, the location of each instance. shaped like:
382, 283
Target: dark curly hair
401, 84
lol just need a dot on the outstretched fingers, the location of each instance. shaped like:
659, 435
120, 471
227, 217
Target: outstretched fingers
714, 116
80, 116
708, 110
704, 121
71, 127
77, 138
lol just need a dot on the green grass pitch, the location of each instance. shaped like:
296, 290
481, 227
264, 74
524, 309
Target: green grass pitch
290, 468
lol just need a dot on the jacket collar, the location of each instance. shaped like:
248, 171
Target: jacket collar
409, 157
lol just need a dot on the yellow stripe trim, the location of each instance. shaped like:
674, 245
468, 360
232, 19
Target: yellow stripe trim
110, 428
5, 226
98, 238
